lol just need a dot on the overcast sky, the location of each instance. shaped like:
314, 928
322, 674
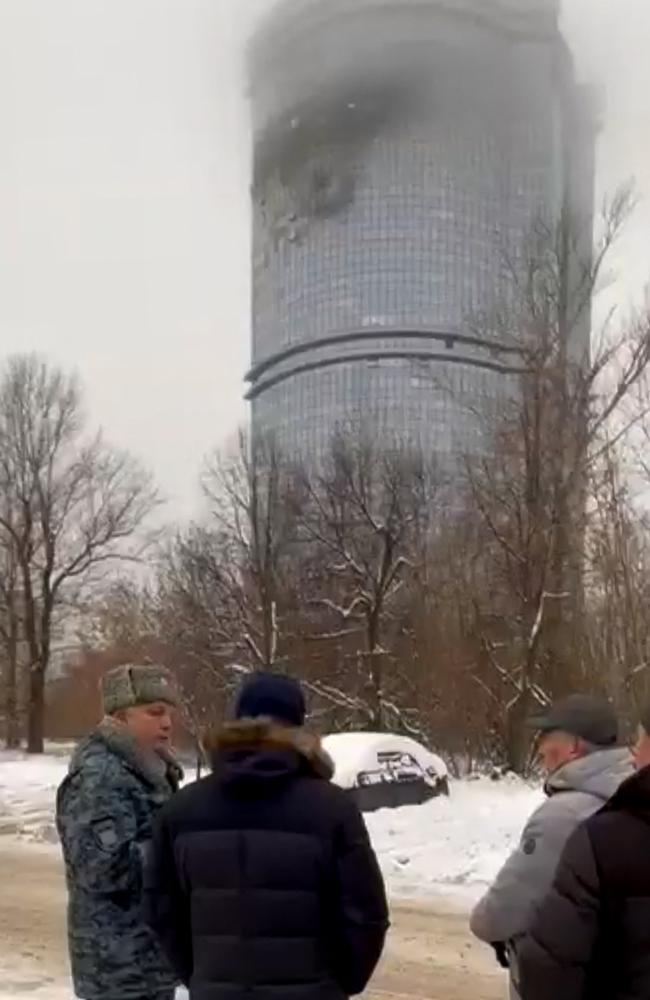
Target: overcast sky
123, 201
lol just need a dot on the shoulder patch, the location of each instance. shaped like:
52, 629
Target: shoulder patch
106, 834
529, 845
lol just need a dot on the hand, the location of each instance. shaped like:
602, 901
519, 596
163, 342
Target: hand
501, 953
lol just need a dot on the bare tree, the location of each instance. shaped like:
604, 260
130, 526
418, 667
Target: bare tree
297, 567
530, 489
75, 507
367, 520
224, 586
192, 596
121, 615
617, 586
10, 633
254, 504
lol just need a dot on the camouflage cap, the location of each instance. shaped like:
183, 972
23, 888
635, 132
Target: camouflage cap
130, 685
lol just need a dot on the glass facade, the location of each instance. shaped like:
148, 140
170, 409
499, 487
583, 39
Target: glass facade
393, 177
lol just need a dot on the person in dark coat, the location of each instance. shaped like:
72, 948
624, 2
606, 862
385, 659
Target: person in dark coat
263, 882
119, 778
590, 939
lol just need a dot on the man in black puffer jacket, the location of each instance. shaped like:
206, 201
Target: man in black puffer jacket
591, 937
263, 883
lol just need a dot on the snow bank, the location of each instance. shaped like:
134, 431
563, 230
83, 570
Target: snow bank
454, 844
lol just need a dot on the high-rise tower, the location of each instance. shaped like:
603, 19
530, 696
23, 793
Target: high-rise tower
400, 147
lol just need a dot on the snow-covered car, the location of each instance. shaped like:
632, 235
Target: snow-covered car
385, 771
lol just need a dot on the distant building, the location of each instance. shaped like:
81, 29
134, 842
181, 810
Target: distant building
400, 148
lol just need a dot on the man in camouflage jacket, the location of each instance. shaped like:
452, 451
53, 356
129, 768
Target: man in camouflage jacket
119, 778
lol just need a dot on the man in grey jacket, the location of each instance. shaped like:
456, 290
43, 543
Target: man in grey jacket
578, 748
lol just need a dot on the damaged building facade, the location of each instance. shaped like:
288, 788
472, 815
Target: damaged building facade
401, 147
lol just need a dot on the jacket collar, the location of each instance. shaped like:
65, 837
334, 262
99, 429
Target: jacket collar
599, 773
159, 770
265, 734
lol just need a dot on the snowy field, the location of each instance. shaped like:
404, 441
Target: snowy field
453, 846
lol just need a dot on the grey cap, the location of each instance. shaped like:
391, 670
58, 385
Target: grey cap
583, 715
131, 685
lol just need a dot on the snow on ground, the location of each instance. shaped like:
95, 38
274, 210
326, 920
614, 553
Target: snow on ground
18, 984
453, 845
27, 795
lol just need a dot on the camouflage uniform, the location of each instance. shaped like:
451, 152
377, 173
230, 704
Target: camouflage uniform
105, 810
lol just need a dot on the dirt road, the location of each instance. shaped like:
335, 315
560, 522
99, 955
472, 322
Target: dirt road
429, 957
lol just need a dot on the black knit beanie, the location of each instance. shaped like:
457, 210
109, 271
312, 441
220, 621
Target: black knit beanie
272, 696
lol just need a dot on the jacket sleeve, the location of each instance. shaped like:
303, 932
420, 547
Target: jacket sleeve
554, 959
167, 903
363, 909
507, 909
98, 829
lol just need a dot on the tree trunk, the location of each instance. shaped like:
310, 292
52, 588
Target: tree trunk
518, 736
12, 702
12, 732
36, 711
376, 692
39, 656
375, 675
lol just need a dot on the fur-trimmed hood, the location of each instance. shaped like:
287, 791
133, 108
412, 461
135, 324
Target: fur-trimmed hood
263, 749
